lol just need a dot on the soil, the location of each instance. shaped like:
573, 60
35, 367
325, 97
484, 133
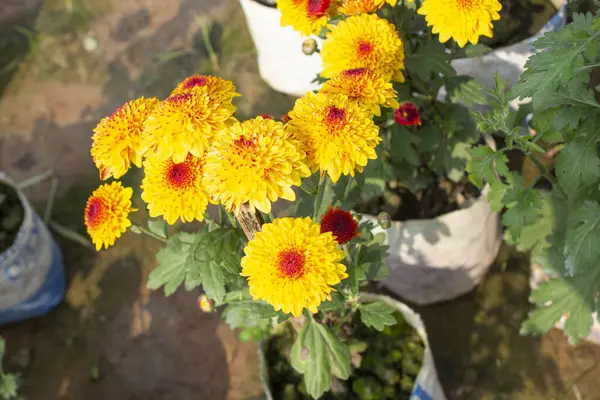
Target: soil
385, 364
519, 20
431, 202
11, 216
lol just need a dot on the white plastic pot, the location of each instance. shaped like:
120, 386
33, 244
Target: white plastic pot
427, 385
281, 62
32, 279
434, 260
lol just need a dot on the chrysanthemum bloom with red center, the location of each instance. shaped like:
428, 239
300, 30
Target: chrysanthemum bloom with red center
363, 41
291, 265
340, 223
107, 213
338, 135
306, 16
215, 86
256, 162
369, 88
355, 7
186, 123
408, 114
174, 190
117, 138
462, 20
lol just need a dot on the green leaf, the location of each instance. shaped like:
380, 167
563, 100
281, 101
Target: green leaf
377, 315
197, 258
465, 90
247, 313
523, 205
403, 145
496, 195
582, 245
484, 163
318, 354
562, 60
455, 161
570, 297
158, 227
578, 164
429, 59
9, 384
477, 50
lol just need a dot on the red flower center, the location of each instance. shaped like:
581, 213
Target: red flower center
195, 81
355, 72
341, 224
243, 141
317, 8
335, 117
180, 98
364, 48
180, 175
291, 263
95, 211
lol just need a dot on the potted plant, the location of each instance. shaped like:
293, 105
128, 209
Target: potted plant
552, 207
33, 279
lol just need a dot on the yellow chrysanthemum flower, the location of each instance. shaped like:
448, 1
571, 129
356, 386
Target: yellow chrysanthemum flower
355, 7
174, 190
107, 213
363, 41
291, 265
117, 138
368, 87
306, 16
462, 20
216, 86
186, 122
338, 135
254, 162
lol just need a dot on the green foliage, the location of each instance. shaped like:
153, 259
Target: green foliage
248, 313
319, 354
204, 258
377, 315
430, 58
9, 383
561, 227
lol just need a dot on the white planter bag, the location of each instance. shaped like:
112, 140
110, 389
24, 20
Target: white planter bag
281, 62
427, 385
439, 259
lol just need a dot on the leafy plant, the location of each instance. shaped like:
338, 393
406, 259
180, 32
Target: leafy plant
9, 383
561, 227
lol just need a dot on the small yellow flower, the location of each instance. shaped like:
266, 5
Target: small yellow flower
306, 16
291, 265
254, 162
107, 213
363, 41
462, 20
186, 123
174, 190
117, 138
338, 135
368, 87
216, 86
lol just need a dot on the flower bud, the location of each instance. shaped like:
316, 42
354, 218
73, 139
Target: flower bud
206, 304
266, 116
385, 220
309, 46
285, 118
408, 114
135, 229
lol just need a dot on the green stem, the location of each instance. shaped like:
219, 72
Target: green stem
221, 215
348, 187
319, 197
544, 171
147, 232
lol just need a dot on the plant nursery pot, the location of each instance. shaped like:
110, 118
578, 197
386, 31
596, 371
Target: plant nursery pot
32, 279
509, 61
281, 62
434, 260
426, 386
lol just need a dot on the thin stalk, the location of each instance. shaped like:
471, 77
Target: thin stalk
152, 235
221, 216
348, 187
543, 170
319, 197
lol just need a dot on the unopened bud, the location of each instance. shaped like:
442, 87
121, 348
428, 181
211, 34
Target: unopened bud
385, 220
206, 304
135, 229
309, 46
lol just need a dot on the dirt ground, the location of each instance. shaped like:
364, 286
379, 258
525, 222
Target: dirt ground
70, 63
